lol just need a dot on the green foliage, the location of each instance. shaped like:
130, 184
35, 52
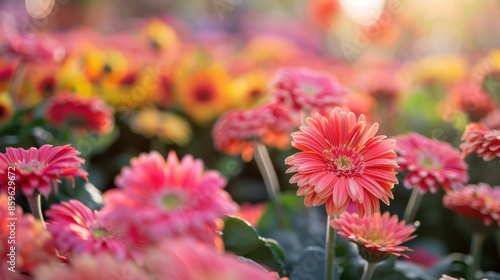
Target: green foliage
242, 239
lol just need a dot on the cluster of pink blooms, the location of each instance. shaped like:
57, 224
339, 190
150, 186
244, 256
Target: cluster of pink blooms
162, 222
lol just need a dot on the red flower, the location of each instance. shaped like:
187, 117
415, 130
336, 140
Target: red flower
429, 163
82, 113
39, 170
343, 161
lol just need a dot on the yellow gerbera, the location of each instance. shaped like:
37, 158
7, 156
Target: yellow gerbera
6, 108
108, 66
250, 89
204, 94
160, 36
166, 126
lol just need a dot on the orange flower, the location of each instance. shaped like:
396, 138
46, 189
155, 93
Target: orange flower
204, 94
323, 12
160, 36
108, 66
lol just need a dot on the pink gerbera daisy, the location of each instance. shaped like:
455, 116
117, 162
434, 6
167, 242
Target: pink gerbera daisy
162, 198
186, 260
28, 49
480, 202
308, 90
78, 229
481, 140
84, 114
429, 163
341, 160
377, 236
39, 170
235, 132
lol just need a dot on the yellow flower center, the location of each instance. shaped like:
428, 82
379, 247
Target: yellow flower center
173, 200
344, 163
31, 166
100, 232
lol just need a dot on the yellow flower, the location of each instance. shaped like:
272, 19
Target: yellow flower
71, 77
6, 109
105, 66
204, 94
160, 36
250, 89
141, 90
167, 127
445, 69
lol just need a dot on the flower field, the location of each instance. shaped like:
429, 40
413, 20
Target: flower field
233, 139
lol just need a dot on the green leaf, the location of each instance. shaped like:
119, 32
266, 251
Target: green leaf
90, 144
311, 265
454, 265
242, 239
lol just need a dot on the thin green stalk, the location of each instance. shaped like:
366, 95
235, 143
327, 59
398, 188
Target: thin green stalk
368, 271
413, 205
35, 202
331, 234
497, 239
475, 252
268, 172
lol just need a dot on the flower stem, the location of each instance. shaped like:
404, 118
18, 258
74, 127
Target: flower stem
497, 239
475, 252
331, 233
413, 205
368, 271
271, 182
35, 202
